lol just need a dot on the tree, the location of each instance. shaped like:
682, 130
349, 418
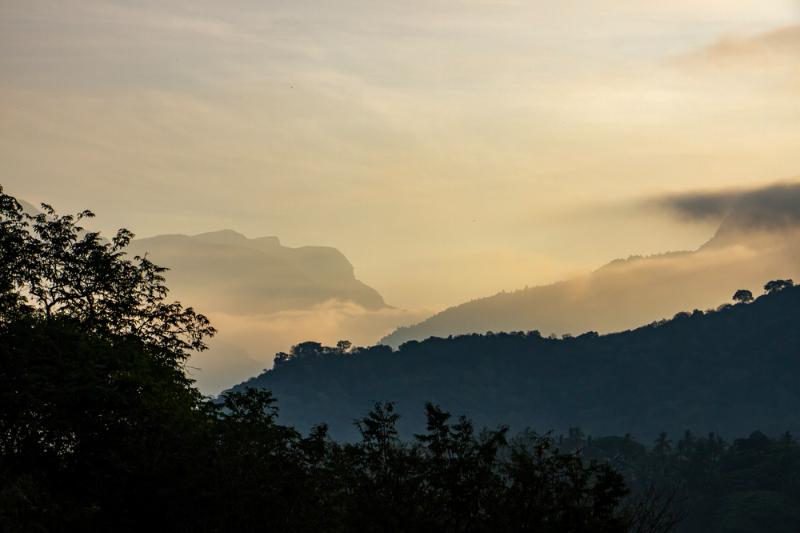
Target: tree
550, 491
96, 413
778, 285
743, 296
460, 470
52, 268
379, 476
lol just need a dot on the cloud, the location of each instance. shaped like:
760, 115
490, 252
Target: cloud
772, 207
699, 206
763, 50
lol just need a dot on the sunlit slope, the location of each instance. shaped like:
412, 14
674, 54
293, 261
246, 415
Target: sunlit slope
753, 244
732, 371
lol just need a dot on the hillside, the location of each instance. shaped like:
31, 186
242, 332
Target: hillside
758, 239
730, 371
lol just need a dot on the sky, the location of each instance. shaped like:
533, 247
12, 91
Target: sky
450, 149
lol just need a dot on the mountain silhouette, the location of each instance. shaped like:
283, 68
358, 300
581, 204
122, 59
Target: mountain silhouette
230, 273
728, 370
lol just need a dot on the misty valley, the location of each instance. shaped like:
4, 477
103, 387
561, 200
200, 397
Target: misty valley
546, 409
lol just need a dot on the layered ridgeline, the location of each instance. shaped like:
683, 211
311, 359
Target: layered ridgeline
261, 295
237, 275
758, 238
732, 370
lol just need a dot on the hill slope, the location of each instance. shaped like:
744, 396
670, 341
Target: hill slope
756, 241
731, 371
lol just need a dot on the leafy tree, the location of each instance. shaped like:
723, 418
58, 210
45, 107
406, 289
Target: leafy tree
743, 296
551, 491
777, 285
52, 268
380, 477
259, 475
460, 470
96, 413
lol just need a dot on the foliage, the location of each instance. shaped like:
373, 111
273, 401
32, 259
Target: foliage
777, 285
51, 268
743, 296
734, 368
95, 407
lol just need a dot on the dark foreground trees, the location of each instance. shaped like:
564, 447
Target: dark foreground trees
97, 415
101, 430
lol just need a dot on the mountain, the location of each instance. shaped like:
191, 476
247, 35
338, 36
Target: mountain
731, 370
237, 275
262, 297
758, 239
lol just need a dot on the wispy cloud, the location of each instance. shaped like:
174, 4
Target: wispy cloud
764, 50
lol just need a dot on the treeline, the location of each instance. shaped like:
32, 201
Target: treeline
103, 437
727, 370
750, 486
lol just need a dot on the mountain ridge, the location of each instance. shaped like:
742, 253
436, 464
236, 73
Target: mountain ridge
625, 292
729, 370
260, 272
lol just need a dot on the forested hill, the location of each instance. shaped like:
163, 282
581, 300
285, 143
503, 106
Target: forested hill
732, 370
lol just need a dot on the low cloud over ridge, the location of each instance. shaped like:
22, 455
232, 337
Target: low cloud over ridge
772, 207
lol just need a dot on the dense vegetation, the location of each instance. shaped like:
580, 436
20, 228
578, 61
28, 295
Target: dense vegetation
729, 370
750, 486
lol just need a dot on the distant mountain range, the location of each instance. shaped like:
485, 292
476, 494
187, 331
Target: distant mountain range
758, 239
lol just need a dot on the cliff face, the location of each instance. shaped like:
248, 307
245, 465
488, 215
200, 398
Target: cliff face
237, 275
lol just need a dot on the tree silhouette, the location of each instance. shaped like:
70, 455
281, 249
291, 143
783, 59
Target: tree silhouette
743, 296
777, 285
53, 268
95, 409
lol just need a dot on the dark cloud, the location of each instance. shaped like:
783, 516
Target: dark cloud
699, 206
772, 207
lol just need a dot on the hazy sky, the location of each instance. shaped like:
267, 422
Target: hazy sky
450, 149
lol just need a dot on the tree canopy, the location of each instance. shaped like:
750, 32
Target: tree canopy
777, 285
743, 296
52, 268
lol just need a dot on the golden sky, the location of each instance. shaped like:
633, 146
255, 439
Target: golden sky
450, 149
